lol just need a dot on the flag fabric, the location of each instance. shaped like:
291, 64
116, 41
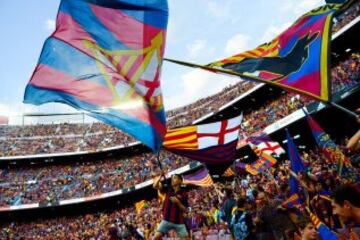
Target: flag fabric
324, 232
263, 163
4, 120
228, 172
297, 59
294, 201
211, 143
139, 206
266, 145
327, 146
105, 58
296, 163
199, 178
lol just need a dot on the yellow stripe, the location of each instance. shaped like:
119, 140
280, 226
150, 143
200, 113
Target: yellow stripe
324, 94
124, 69
180, 139
178, 131
183, 146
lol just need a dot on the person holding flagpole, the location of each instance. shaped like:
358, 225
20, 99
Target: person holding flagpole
174, 206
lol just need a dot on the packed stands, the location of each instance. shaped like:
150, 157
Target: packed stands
49, 184
205, 203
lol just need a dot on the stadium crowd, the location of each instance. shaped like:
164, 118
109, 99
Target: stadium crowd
38, 139
209, 213
345, 18
254, 201
50, 184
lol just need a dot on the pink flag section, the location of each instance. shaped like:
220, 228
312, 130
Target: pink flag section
4, 120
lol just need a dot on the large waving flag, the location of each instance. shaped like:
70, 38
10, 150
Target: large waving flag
105, 58
211, 143
327, 146
296, 163
265, 145
200, 178
296, 60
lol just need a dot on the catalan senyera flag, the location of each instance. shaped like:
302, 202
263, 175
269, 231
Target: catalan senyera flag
228, 172
199, 178
105, 58
263, 163
327, 146
296, 60
139, 206
211, 143
265, 144
324, 232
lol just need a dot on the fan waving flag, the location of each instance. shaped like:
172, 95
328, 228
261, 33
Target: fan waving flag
327, 146
212, 143
296, 60
199, 178
105, 58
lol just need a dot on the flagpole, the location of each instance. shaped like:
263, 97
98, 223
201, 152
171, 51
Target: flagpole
158, 159
257, 79
341, 108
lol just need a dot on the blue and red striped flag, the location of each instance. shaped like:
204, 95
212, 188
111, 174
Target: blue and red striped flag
105, 58
294, 201
200, 178
263, 163
296, 163
212, 143
327, 146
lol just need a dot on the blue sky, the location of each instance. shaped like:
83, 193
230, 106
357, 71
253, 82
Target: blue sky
199, 31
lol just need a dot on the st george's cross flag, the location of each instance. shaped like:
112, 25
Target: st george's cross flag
105, 58
266, 145
211, 143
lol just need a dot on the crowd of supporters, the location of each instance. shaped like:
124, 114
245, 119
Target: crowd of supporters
50, 184
209, 213
38, 139
349, 15
261, 196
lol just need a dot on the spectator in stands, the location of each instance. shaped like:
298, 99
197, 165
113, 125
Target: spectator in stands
271, 223
241, 222
229, 203
346, 202
306, 230
174, 206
